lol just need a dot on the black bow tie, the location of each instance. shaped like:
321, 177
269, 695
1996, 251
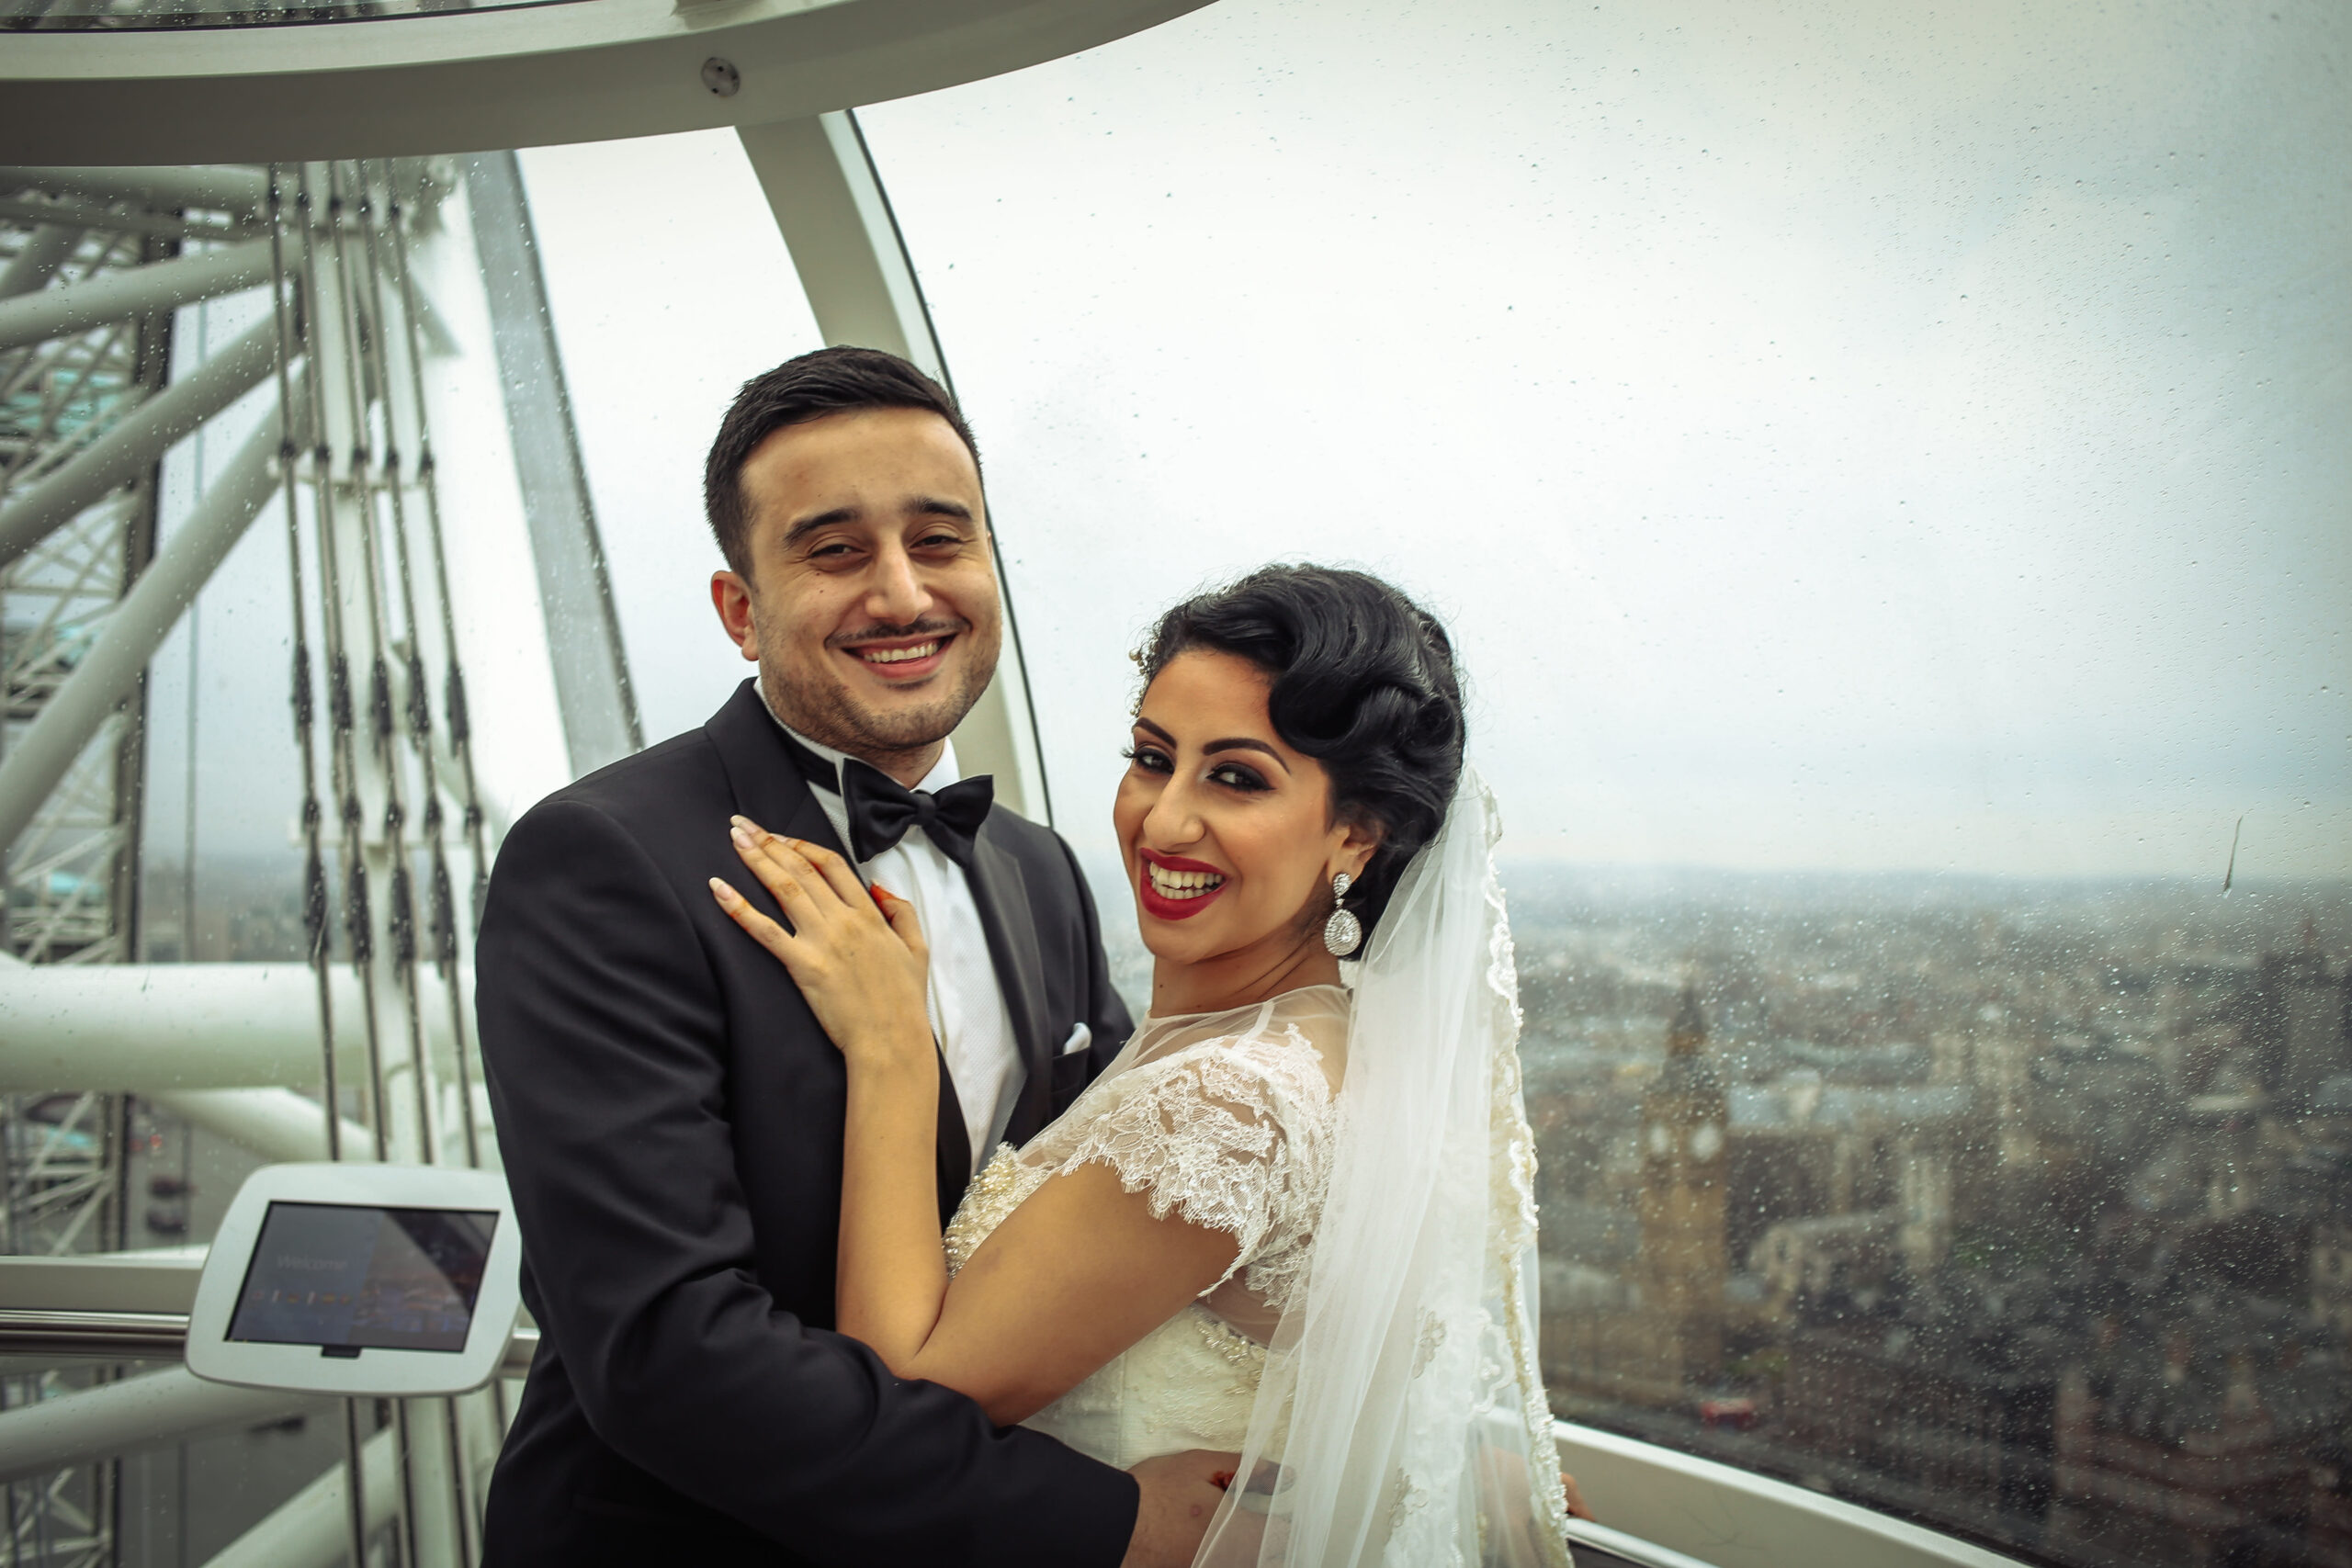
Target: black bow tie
881, 809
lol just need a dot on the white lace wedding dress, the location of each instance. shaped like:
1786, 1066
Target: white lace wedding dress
1228, 1118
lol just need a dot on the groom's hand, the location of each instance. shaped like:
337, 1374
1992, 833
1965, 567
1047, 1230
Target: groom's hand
1181, 1494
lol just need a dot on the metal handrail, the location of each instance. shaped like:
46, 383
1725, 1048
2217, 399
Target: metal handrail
1652, 1491
152, 1336
119, 1336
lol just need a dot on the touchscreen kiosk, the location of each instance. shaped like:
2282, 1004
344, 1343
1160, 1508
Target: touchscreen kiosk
372, 1280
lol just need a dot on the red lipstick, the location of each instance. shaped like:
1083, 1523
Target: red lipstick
1158, 905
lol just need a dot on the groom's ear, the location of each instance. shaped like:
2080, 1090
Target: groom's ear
732, 597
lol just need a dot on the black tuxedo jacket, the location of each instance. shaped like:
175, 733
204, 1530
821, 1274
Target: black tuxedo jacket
670, 1115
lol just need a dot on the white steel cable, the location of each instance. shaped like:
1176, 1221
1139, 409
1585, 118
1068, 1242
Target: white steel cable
458, 727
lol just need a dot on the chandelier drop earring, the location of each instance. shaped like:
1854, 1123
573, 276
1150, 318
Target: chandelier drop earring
1342, 931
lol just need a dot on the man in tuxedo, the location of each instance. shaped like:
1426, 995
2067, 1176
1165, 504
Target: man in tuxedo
669, 1112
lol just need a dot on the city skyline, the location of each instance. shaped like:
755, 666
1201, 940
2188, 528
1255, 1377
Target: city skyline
2026, 1221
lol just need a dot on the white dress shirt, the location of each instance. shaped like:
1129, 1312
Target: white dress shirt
967, 1009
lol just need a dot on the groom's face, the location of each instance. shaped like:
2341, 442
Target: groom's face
871, 606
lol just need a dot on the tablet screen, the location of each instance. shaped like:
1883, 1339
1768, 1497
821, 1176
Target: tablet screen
348, 1277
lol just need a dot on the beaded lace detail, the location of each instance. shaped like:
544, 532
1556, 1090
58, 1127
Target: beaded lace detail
1228, 1120
1235, 1135
1002, 1186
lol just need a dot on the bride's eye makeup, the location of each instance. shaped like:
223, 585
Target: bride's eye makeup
1151, 759
1233, 776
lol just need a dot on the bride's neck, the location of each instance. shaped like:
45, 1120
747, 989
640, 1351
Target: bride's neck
1241, 980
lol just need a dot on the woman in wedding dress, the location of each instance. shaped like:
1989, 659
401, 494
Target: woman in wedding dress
1293, 1218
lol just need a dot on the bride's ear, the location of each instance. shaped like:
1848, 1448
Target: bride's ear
1358, 842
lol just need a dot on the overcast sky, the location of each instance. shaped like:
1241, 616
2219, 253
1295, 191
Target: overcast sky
1840, 436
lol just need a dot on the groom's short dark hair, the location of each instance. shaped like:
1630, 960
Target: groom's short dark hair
828, 382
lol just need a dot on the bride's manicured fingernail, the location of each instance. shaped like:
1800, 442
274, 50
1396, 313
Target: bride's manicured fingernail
721, 891
740, 834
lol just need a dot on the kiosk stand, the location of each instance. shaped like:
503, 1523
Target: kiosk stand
364, 1281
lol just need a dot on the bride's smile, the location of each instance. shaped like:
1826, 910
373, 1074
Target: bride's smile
1175, 889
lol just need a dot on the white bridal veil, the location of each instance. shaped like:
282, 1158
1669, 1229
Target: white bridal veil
1402, 1420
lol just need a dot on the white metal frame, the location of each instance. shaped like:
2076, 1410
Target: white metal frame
1729, 1518
526, 77
829, 204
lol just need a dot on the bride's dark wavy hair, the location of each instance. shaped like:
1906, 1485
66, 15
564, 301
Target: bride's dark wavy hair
1363, 681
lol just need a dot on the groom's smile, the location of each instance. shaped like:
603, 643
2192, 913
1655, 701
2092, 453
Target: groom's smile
916, 654
871, 601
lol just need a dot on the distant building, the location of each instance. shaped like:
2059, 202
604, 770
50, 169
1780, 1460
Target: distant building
2332, 1274
2212, 1166
1940, 1405
2184, 1432
2302, 1006
2328, 1532
1822, 1255
1684, 1261
1659, 1335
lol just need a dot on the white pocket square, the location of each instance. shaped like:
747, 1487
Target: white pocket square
1080, 1037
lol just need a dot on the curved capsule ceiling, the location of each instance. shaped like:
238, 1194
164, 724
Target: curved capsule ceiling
217, 81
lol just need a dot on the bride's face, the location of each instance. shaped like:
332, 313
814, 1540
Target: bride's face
1228, 832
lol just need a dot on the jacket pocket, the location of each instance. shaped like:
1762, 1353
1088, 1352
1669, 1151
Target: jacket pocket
1072, 1073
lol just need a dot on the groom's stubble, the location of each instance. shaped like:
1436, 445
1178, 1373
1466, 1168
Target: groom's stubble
826, 712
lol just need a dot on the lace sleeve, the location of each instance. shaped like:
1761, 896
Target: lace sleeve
1234, 1135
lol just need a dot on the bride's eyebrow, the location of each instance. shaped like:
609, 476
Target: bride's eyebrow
1242, 743
1231, 743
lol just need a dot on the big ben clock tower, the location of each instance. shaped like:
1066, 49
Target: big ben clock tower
1681, 1202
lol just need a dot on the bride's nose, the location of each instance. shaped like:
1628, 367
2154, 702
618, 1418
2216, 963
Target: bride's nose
1172, 822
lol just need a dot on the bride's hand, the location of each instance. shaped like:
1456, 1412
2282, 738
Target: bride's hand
858, 957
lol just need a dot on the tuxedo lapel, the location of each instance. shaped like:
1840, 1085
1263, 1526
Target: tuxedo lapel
1000, 893
768, 788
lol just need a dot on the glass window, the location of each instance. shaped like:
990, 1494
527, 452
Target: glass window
1885, 474
669, 288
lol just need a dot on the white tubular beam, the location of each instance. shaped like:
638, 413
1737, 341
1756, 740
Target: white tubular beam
152, 1029
138, 440
220, 187
278, 1124
137, 626
45, 251
143, 1412
844, 244
861, 284
312, 1530
154, 1280
90, 215
132, 291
